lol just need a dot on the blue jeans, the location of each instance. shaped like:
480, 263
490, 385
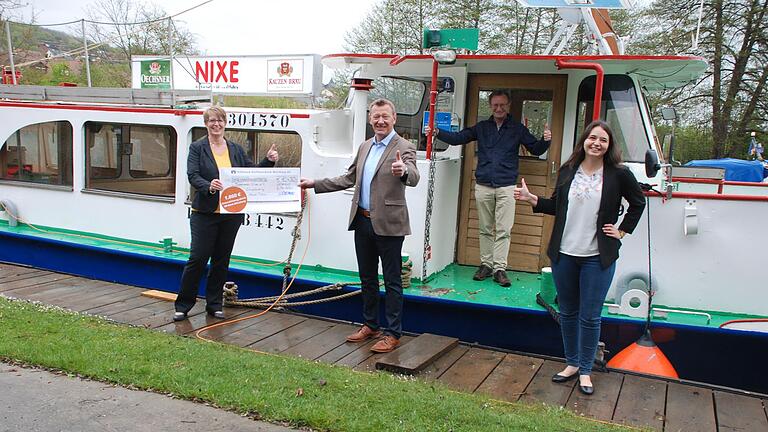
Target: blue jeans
582, 285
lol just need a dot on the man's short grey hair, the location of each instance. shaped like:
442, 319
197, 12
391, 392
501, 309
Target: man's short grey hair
498, 93
380, 103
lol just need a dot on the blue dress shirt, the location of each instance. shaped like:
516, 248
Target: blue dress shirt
369, 169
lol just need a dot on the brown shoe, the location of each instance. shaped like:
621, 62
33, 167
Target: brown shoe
363, 334
385, 344
482, 272
501, 278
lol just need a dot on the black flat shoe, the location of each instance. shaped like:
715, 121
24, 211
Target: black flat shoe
179, 316
217, 314
587, 390
562, 378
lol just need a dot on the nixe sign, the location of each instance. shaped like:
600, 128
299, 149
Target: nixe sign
256, 75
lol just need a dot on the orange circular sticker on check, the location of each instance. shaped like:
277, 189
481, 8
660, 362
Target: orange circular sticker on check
233, 199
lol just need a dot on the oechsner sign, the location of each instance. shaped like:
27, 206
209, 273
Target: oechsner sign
239, 74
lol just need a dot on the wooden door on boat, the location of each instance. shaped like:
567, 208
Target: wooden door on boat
535, 100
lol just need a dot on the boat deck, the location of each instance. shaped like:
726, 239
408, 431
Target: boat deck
621, 398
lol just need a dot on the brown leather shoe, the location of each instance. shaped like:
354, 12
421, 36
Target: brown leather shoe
363, 334
482, 272
501, 278
385, 344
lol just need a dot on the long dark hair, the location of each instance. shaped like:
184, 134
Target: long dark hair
611, 157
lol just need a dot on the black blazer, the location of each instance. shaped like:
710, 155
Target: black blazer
202, 169
618, 182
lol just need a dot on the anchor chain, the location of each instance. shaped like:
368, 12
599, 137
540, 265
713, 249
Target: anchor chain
428, 217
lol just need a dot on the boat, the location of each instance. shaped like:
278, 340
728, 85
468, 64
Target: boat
93, 184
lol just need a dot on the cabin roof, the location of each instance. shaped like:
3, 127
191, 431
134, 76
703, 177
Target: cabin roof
653, 72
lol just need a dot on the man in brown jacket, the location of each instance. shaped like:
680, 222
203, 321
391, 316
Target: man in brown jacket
382, 168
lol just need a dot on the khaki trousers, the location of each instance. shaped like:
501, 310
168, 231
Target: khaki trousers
496, 215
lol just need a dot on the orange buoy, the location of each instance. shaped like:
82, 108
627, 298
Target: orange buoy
645, 357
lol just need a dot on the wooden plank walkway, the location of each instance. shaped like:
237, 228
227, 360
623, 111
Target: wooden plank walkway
628, 399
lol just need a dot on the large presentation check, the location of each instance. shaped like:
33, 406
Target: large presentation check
260, 190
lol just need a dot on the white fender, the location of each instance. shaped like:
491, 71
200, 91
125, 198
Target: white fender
622, 284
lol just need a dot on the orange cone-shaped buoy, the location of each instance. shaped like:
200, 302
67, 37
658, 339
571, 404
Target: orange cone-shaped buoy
645, 357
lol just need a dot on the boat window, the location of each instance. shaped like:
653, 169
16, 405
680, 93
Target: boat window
620, 109
131, 158
152, 154
410, 98
39, 153
406, 94
256, 143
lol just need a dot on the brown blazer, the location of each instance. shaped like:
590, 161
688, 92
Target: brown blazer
389, 211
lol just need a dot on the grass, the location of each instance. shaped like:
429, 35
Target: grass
265, 386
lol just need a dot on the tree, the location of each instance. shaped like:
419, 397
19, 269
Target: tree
7, 6
136, 28
734, 41
393, 27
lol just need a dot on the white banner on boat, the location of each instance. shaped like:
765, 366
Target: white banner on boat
292, 75
260, 190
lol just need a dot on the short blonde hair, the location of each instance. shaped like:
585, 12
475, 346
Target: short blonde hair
214, 111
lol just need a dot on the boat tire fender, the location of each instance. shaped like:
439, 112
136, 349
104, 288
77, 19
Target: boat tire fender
624, 282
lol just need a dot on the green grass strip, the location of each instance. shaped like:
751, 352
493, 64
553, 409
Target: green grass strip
265, 386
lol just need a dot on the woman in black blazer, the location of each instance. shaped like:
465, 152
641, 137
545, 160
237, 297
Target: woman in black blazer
585, 240
213, 233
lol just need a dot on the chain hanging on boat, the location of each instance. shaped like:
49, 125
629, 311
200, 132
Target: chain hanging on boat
428, 218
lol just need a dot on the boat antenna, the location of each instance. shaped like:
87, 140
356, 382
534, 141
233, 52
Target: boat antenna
698, 27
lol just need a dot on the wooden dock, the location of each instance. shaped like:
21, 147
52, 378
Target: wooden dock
621, 398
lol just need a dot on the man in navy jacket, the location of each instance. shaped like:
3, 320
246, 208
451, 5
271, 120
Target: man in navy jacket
498, 145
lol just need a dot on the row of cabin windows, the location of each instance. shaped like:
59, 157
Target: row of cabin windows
128, 158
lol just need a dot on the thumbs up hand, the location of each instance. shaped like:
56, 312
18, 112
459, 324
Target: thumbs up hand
398, 166
272, 154
523, 194
547, 133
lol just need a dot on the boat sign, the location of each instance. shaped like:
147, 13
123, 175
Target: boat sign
258, 120
297, 75
442, 120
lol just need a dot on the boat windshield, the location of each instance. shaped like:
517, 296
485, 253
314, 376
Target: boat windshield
621, 109
411, 99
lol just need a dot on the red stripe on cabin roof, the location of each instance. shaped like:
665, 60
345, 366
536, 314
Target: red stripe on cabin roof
117, 109
102, 108
517, 57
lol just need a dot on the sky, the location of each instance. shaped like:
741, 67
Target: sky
241, 27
